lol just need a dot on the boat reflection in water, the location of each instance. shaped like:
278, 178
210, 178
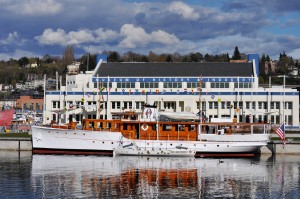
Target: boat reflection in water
149, 177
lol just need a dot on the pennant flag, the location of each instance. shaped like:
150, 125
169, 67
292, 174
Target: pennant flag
157, 91
219, 100
177, 91
212, 96
237, 110
88, 95
94, 92
280, 133
116, 89
129, 92
185, 90
192, 90
143, 91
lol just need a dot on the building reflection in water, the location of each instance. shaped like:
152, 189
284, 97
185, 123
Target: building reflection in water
151, 177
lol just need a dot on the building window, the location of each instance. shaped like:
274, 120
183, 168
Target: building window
260, 105
139, 105
219, 84
169, 105
203, 106
127, 105
116, 105
172, 85
195, 85
126, 85
37, 106
290, 119
243, 85
104, 84
248, 105
55, 104
289, 105
149, 85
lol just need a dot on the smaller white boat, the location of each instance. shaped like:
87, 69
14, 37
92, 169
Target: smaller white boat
133, 150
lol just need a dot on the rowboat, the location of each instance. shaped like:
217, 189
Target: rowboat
132, 149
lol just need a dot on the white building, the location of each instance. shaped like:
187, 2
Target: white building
229, 90
73, 69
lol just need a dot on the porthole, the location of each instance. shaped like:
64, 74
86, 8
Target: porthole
93, 141
194, 144
112, 142
66, 133
147, 143
74, 133
204, 145
217, 145
102, 142
171, 144
84, 134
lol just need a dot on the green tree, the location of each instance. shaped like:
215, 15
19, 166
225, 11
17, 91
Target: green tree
236, 54
23, 61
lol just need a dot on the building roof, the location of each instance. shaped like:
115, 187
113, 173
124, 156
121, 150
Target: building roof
186, 69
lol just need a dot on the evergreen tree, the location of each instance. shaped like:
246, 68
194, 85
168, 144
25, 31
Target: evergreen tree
68, 56
236, 54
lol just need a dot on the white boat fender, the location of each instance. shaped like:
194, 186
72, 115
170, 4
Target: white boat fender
145, 127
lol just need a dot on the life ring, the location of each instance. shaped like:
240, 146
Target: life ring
145, 127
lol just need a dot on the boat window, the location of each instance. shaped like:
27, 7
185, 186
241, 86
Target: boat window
117, 126
167, 127
192, 128
125, 127
154, 127
180, 127
108, 125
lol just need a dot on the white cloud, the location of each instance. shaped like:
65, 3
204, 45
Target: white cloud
184, 10
34, 7
13, 38
60, 37
137, 37
51, 37
106, 35
17, 54
164, 37
81, 36
134, 36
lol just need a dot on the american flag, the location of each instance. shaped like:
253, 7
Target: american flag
280, 132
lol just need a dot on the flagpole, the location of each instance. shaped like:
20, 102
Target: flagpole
107, 95
283, 115
44, 107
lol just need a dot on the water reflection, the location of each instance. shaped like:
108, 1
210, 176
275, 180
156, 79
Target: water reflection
50, 176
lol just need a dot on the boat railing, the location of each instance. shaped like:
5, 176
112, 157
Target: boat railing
237, 128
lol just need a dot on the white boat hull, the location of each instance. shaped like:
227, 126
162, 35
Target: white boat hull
67, 141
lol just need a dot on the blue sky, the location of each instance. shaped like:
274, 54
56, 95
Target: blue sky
37, 27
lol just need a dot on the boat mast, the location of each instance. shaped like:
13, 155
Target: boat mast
200, 103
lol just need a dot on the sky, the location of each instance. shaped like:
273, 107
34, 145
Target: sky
34, 28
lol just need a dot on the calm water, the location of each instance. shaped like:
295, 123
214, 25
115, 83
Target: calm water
23, 175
